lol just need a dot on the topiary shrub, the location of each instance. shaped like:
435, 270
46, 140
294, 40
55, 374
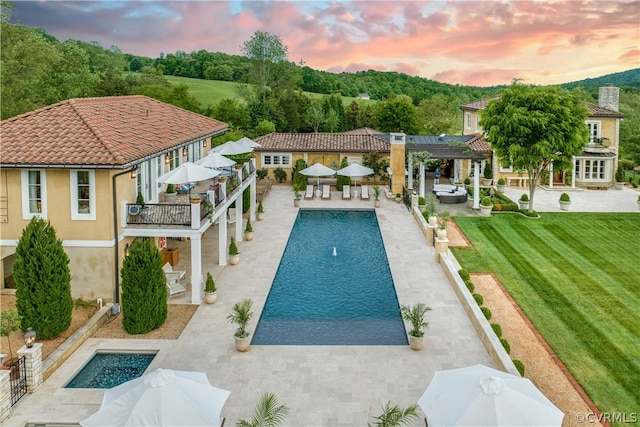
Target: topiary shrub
506, 345
479, 298
564, 197
486, 312
470, 285
464, 274
144, 292
299, 180
262, 173
501, 181
340, 179
233, 247
519, 366
43, 280
467, 181
620, 173
524, 197
486, 201
497, 329
488, 171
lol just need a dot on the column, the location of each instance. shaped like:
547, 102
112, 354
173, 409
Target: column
410, 170
33, 366
5, 395
196, 269
252, 200
550, 174
476, 185
442, 246
239, 229
573, 172
397, 162
222, 238
422, 180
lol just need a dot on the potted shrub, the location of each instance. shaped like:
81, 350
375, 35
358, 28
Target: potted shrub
488, 175
296, 196
422, 204
430, 210
234, 255
565, 201
248, 230
467, 182
240, 315
376, 196
415, 316
619, 177
259, 211
210, 294
170, 194
524, 201
502, 185
10, 323
443, 220
398, 197
486, 206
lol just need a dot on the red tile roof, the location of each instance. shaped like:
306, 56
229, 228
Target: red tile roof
479, 145
112, 131
594, 110
322, 142
363, 131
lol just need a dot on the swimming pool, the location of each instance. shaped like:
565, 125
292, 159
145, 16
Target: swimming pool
107, 370
333, 285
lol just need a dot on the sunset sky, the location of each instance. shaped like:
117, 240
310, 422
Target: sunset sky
479, 43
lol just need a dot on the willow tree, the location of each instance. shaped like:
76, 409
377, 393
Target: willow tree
534, 126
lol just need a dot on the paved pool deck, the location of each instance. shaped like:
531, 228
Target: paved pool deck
322, 385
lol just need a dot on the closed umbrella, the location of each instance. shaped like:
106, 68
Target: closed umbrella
317, 170
162, 398
355, 171
482, 396
215, 160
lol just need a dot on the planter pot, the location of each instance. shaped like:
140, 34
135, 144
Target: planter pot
398, 199
169, 197
523, 205
470, 201
422, 207
564, 206
619, 185
485, 210
234, 259
242, 344
442, 233
502, 187
210, 297
415, 342
433, 220
296, 203
486, 182
376, 203
248, 235
13, 366
260, 216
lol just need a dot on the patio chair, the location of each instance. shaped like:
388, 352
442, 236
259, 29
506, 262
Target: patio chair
346, 192
364, 194
309, 193
173, 277
326, 191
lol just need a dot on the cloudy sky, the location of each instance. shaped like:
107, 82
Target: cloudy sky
467, 42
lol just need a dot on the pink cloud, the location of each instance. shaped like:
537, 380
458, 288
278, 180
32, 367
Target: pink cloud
487, 77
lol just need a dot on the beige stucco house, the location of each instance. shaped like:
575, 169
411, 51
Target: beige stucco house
81, 163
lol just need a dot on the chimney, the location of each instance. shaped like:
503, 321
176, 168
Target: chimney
609, 97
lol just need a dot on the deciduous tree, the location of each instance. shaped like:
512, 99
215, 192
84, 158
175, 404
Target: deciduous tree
265, 50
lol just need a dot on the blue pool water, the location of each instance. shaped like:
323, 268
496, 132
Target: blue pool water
320, 299
107, 370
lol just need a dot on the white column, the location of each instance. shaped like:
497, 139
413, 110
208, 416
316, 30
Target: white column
196, 269
252, 200
222, 238
410, 170
239, 228
476, 185
550, 174
573, 172
422, 180
195, 215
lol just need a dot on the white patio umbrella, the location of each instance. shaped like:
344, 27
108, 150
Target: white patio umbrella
187, 172
482, 396
231, 147
162, 398
317, 170
248, 142
215, 160
355, 171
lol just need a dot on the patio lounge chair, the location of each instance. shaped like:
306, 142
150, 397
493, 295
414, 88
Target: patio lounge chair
309, 193
326, 191
364, 194
173, 281
346, 192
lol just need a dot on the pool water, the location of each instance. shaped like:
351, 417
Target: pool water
107, 370
322, 297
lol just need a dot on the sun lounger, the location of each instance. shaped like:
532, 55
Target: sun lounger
364, 194
346, 192
309, 193
326, 191
173, 281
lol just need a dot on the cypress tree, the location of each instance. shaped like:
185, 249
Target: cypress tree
144, 292
43, 280
341, 179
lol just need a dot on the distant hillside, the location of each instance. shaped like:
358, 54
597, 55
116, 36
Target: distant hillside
626, 79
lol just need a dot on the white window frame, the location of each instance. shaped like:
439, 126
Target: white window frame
593, 135
26, 211
467, 120
76, 215
276, 160
175, 158
589, 170
503, 169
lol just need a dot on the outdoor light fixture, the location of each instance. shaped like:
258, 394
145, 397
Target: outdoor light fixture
184, 151
204, 143
166, 158
126, 249
133, 173
29, 337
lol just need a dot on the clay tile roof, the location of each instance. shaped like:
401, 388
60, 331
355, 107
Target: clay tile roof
322, 142
479, 145
597, 111
110, 131
363, 131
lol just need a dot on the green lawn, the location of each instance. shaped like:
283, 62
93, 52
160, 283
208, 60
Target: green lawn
577, 278
209, 92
